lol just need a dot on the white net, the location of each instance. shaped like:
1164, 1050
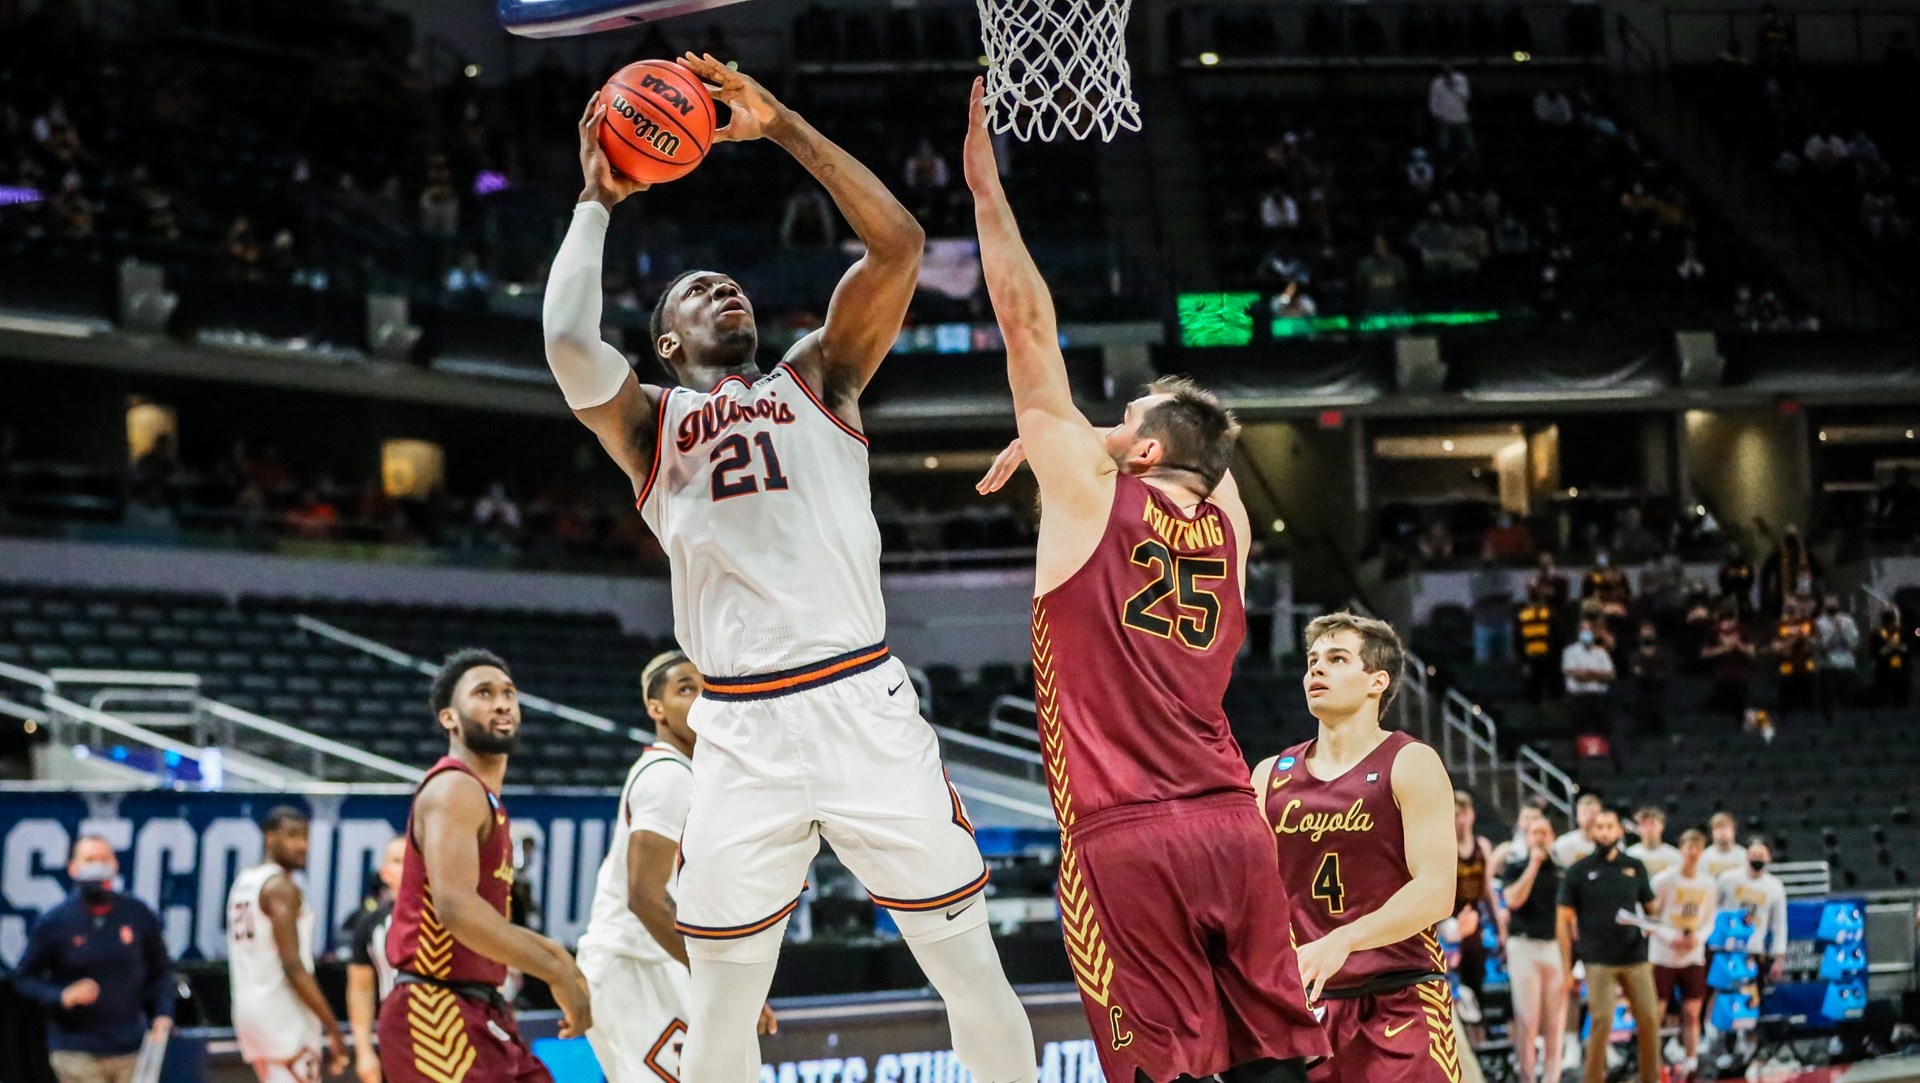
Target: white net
1058, 64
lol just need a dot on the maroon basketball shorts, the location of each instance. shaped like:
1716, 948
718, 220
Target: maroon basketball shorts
1404, 1035
1690, 980
430, 1034
1174, 916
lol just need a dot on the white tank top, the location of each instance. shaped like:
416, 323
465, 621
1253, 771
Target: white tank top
260, 987
760, 497
654, 798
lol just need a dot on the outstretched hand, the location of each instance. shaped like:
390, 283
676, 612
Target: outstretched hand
1003, 468
982, 170
754, 106
602, 182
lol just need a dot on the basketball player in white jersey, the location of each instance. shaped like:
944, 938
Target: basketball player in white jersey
279, 1016
757, 489
369, 972
634, 959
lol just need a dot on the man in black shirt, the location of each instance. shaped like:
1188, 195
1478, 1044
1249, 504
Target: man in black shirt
369, 974
1593, 893
1530, 886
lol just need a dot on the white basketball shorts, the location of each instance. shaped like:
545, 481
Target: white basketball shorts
640, 1015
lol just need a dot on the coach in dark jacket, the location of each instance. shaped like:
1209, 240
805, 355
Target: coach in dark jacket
98, 964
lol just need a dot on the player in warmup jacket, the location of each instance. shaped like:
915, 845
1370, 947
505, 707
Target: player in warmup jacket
757, 487
450, 943
279, 1015
634, 959
1364, 821
1167, 884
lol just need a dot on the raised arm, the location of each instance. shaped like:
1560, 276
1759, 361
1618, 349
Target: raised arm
280, 901
450, 817
1425, 795
599, 385
870, 303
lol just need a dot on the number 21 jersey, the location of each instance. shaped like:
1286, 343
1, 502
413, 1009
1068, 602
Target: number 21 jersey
759, 495
1131, 657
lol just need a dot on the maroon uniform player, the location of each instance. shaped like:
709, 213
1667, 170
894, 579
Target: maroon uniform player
1364, 822
1167, 878
451, 943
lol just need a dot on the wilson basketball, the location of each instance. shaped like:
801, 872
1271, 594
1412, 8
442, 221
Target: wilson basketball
659, 121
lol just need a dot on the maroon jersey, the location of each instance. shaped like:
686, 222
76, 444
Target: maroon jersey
1131, 657
1343, 854
417, 943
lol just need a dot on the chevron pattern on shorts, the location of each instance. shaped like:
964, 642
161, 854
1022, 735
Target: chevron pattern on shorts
1436, 1003
433, 954
1079, 924
441, 1051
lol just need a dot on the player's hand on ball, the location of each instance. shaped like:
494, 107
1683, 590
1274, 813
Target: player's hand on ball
977, 160
602, 183
769, 1022
754, 106
1320, 961
1003, 467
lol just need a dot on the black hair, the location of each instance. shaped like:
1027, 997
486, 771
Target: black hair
282, 816
456, 667
657, 323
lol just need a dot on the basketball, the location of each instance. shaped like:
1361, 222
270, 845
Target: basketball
659, 121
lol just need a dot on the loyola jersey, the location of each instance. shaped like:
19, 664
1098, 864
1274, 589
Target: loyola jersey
655, 798
1131, 657
417, 942
759, 495
1343, 854
268, 1016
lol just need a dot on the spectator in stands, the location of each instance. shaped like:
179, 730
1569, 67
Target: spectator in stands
1419, 172
1538, 626
1551, 585
1892, 682
467, 280
1439, 244
1589, 673
1529, 884
1507, 539
1551, 107
1652, 669
1612, 596
497, 514
1379, 277
242, 249
1632, 540
439, 203
1576, 843
1779, 38
1436, 543
1653, 850
1726, 854
1448, 101
1763, 898
71, 210
1736, 582
807, 220
1730, 658
1592, 893
315, 518
1837, 646
1825, 150
1794, 650
1690, 269
927, 171
1278, 211
1492, 614
98, 964
1293, 302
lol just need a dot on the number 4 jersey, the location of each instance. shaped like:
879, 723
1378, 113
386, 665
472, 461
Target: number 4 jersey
1131, 659
759, 495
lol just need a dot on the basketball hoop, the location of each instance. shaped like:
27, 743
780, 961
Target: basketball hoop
1054, 64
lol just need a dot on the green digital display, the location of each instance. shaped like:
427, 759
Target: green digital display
1217, 319
1308, 326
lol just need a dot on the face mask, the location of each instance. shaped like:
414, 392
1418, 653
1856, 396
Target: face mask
94, 878
1757, 866
1586, 639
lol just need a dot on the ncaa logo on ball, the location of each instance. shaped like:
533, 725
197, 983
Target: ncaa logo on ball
644, 129
668, 93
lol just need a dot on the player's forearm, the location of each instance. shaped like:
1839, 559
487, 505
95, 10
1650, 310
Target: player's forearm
1517, 893
360, 998
1419, 905
309, 993
482, 928
1022, 305
1563, 932
886, 227
657, 917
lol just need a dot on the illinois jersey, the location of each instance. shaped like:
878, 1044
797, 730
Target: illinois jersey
759, 495
272, 1024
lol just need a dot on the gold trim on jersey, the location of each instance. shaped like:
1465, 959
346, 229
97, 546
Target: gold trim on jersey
1432, 943
1079, 923
1436, 1007
441, 1051
433, 949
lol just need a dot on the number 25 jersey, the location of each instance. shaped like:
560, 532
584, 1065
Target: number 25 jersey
759, 495
1131, 657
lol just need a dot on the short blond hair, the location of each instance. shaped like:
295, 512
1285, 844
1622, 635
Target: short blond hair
1380, 649
1722, 818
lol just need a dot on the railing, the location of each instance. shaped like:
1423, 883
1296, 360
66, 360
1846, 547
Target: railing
1003, 720
270, 738
1803, 879
78, 724
1469, 730
1535, 776
991, 755
408, 661
1413, 707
